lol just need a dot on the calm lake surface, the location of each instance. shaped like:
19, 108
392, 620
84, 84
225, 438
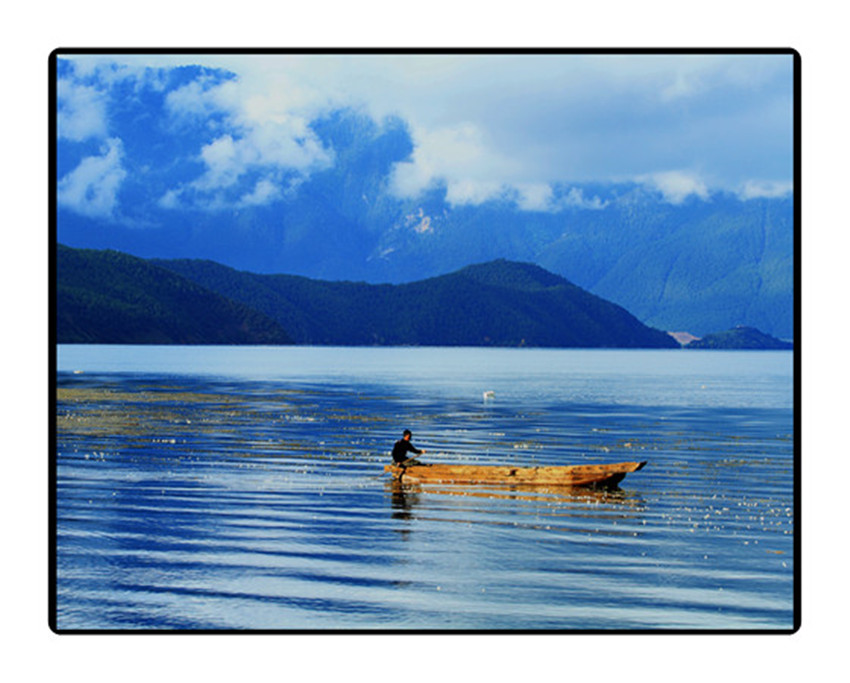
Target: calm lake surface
225, 488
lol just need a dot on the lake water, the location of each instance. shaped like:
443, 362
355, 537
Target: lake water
229, 488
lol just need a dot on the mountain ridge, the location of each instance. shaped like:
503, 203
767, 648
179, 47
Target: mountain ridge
500, 303
741, 338
107, 297
698, 263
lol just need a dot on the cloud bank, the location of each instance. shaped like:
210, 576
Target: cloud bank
483, 127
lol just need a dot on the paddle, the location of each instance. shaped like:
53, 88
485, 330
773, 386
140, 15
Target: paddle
403, 463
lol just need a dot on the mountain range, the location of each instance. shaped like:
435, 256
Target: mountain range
697, 263
110, 297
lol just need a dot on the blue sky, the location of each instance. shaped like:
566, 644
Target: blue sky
228, 132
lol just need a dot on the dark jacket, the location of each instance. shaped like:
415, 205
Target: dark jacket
402, 448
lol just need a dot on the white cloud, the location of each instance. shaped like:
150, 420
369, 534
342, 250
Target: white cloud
440, 155
575, 198
285, 147
108, 70
288, 143
264, 191
761, 189
485, 126
534, 196
170, 200
467, 191
225, 161
199, 97
680, 86
676, 186
81, 111
264, 132
252, 125
472, 171
83, 94
91, 189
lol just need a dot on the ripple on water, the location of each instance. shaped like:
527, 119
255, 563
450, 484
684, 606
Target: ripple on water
231, 503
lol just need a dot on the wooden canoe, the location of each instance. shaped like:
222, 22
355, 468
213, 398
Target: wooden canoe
572, 475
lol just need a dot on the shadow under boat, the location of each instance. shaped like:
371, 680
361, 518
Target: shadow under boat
406, 495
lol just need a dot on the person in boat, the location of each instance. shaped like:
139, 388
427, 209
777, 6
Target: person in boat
402, 447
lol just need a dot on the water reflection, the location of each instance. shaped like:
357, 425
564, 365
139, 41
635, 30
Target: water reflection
405, 495
216, 502
567, 504
403, 500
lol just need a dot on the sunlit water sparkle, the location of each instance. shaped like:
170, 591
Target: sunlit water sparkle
227, 488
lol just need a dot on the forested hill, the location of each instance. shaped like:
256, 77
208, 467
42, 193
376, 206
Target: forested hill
106, 297
500, 303
110, 297
741, 338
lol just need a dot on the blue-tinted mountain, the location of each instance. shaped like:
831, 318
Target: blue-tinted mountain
500, 303
741, 338
699, 265
105, 297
